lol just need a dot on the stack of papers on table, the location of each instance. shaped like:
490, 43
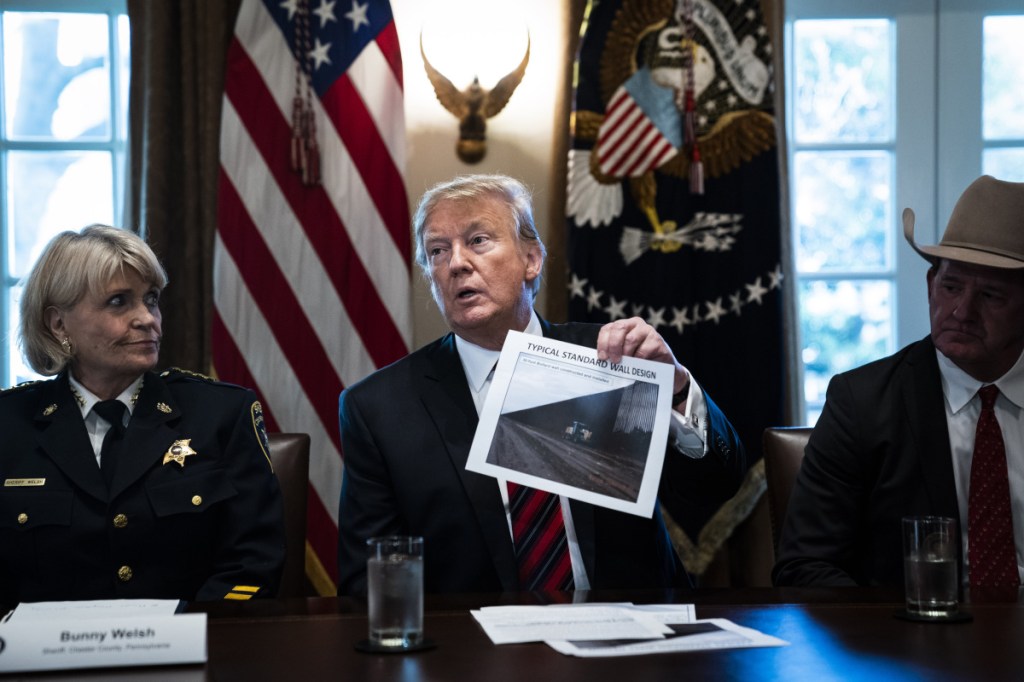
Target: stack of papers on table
596, 630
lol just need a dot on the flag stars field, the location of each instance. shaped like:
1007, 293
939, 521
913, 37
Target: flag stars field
751, 293
325, 11
319, 54
357, 15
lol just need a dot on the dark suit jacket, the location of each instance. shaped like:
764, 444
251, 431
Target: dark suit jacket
406, 433
880, 451
185, 532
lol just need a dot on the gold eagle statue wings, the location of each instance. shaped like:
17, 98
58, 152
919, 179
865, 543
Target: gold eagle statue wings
474, 105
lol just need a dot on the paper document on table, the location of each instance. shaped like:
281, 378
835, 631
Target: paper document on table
687, 635
559, 419
516, 624
99, 608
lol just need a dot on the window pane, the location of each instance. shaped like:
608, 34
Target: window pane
56, 76
843, 210
1005, 164
844, 324
1002, 75
17, 369
843, 80
49, 192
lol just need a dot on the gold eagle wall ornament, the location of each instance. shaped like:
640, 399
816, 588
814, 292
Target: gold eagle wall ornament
474, 105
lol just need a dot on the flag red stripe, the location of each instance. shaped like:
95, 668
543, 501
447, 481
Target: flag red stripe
618, 99
616, 127
626, 142
611, 146
387, 40
261, 197
229, 361
322, 225
371, 157
644, 160
322, 534
291, 328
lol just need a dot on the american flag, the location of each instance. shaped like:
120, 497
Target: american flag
311, 280
640, 130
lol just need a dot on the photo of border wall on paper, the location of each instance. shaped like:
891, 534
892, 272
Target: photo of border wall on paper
559, 419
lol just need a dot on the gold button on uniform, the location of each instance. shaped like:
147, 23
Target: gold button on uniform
120, 521
196, 500
124, 574
22, 518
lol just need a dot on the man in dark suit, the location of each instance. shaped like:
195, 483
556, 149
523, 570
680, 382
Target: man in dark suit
407, 429
896, 437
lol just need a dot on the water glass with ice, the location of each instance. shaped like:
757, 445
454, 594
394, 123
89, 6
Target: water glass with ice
394, 570
930, 547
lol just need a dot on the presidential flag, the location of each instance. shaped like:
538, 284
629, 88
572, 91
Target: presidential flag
311, 271
673, 197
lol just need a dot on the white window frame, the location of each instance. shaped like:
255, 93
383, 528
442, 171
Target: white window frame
117, 145
937, 147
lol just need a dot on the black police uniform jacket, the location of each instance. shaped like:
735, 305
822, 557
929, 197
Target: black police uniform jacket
210, 528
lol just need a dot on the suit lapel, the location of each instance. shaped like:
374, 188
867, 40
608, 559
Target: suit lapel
446, 398
930, 437
64, 439
149, 434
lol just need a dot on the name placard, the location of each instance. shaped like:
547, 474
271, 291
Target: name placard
103, 642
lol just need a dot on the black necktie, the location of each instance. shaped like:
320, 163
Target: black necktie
113, 412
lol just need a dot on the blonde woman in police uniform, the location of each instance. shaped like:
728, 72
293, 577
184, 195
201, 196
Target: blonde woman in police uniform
180, 500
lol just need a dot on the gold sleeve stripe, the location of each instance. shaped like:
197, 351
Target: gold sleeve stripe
246, 588
238, 597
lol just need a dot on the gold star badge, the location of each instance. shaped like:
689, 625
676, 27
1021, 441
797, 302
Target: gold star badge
163, 407
50, 409
178, 451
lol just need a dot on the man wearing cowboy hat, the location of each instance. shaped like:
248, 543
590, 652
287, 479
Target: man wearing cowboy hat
897, 436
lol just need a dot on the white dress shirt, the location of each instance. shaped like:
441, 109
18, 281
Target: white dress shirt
963, 407
95, 425
687, 430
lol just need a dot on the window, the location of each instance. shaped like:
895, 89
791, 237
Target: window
890, 104
1002, 97
63, 97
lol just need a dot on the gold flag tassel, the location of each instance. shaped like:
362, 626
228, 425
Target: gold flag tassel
696, 172
298, 115
690, 101
305, 154
311, 170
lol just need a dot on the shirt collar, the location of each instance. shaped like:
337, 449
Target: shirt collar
478, 362
86, 399
960, 387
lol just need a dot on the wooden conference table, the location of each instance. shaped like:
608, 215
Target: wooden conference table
848, 634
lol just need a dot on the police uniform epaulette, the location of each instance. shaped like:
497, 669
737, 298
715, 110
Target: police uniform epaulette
24, 384
175, 371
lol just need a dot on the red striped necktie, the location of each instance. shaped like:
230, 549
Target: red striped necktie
538, 532
991, 551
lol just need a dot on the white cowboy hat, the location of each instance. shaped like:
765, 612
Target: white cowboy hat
986, 228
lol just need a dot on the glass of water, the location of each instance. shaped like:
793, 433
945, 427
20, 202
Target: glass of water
930, 547
394, 570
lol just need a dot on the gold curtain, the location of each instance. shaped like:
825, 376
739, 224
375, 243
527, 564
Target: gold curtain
177, 63
775, 17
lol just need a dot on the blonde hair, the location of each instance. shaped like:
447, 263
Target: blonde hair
72, 265
513, 193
